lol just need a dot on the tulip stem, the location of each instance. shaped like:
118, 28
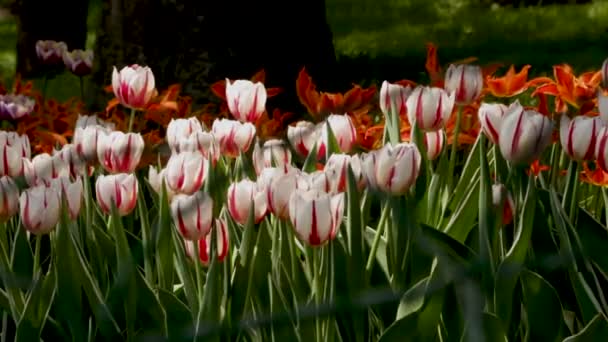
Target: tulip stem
37, 255
198, 274
131, 117
317, 269
379, 232
454, 149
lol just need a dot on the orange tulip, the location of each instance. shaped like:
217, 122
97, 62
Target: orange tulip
510, 84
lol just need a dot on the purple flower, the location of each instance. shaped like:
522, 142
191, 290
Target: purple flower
15, 106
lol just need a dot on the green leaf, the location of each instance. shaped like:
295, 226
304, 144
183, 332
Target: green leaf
37, 308
543, 308
310, 164
22, 257
160, 234
404, 329
413, 300
179, 318
370, 235
596, 330
492, 329
150, 312
465, 216
468, 176
486, 221
332, 143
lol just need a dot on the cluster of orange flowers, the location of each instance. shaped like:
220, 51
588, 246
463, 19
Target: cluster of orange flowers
54, 123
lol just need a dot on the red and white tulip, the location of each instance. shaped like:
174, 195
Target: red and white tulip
181, 129
336, 170
204, 244
120, 152
274, 153
186, 172
393, 98
50, 52
343, 129
242, 196
43, 168
246, 100
397, 168
192, 215
430, 108
233, 136
280, 189
491, 116
118, 190
77, 166
579, 136
503, 200
316, 216
134, 86
465, 81
434, 142
156, 179
303, 136
79, 62
9, 198
524, 135
71, 192
40, 209
204, 142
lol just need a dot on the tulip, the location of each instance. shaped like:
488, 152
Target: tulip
491, 116
156, 178
579, 136
20, 142
316, 216
9, 198
279, 191
601, 149
119, 152
40, 209
466, 81
336, 170
604, 72
181, 129
71, 192
246, 100
134, 86
241, 196
393, 98
343, 129
368, 168
192, 215
43, 168
50, 52
79, 62
13, 149
502, 198
186, 172
118, 191
303, 136
434, 143
13, 107
274, 152
204, 142
204, 244
397, 168
524, 134
602, 104
430, 108
84, 121
77, 166
234, 137
319, 180
86, 140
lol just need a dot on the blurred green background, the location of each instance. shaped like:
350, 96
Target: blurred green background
385, 39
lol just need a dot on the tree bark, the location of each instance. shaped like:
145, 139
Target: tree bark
196, 43
59, 20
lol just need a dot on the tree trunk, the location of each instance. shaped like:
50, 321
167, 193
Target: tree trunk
59, 20
196, 43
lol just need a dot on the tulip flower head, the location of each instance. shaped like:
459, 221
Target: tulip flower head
434, 143
280, 189
192, 215
181, 129
86, 140
343, 129
77, 166
502, 198
204, 244
303, 136
393, 98
13, 149
9, 198
233, 136
186, 172
119, 152
524, 135
602, 104
397, 168
13, 107
336, 170
246, 100
40, 208
118, 190
465, 81
50, 52
242, 196
604, 72
79, 62
274, 153
203, 142
43, 168
430, 108
134, 86
156, 179
71, 192
601, 149
316, 216
491, 116
579, 136
20, 142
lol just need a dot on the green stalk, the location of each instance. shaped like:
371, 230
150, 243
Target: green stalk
452, 160
145, 236
317, 288
379, 232
37, 255
131, 117
198, 274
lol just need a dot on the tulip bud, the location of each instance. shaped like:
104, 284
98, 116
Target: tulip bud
336, 170
134, 86
241, 196
50, 52
279, 191
316, 216
343, 129
524, 134
77, 166
579, 136
430, 108
71, 192
13, 107
40, 209
86, 140
466, 81
9, 198
192, 215
491, 116
303, 136
43, 168
120, 152
179, 130
119, 190
434, 142
21, 143
234, 137
393, 98
274, 153
186, 172
156, 179
246, 100
204, 244
79, 62
397, 167
501, 198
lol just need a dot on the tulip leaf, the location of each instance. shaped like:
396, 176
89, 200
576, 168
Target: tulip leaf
37, 307
465, 215
543, 308
413, 299
10, 283
22, 256
332, 143
178, 316
150, 312
486, 222
468, 175
370, 235
596, 330
184, 274
404, 329
161, 232
493, 330
594, 238
310, 163
354, 230
509, 270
